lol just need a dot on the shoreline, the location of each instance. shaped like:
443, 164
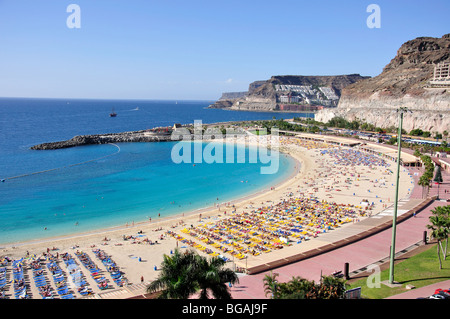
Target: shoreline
313, 178
297, 167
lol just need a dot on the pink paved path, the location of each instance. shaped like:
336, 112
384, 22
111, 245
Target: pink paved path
359, 254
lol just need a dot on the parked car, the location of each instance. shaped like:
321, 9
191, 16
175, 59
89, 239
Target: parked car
444, 293
440, 294
447, 291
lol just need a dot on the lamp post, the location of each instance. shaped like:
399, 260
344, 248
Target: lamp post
401, 111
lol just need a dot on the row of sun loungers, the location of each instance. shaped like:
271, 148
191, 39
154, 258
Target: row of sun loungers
195, 244
65, 285
2, 276
20, 288
59, 280
40, 280
111, 267
94, 271
3, 281
76, 276
268, 228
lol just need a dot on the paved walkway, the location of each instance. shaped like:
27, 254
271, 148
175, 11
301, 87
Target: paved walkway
422, 292
358, 254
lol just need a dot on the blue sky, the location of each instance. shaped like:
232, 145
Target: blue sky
197, 49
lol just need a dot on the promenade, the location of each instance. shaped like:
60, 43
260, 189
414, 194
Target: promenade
374, 249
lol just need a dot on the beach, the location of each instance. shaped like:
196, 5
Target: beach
324, 176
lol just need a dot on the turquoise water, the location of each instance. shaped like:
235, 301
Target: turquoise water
131, 185
110, 187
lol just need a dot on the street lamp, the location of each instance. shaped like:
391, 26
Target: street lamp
401, 111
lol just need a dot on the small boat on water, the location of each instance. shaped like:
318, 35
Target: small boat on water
112, 114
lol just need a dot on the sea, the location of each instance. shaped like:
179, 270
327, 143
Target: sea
64, 192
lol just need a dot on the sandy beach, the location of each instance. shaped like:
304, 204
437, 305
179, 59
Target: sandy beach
320, 172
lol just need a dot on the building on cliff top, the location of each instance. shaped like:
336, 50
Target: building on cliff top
441, 77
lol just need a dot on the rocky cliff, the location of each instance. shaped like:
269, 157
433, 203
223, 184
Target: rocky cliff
302, 90
227, 99
404, 82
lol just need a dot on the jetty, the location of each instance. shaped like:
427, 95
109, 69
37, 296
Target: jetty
159, 134
153, 135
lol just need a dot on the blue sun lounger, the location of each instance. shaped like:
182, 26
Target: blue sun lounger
63, 290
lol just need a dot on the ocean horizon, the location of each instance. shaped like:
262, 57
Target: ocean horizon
86, 188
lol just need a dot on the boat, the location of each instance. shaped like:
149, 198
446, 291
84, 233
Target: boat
112, 114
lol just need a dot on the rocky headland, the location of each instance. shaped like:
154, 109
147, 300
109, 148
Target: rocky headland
304, 91
404, 82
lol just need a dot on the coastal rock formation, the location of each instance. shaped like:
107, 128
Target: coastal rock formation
226, 100
404, 82
126, 137
160, 134
233, 95
293, 90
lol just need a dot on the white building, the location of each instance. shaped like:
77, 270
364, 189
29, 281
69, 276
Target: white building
329, 93
441, 76
289, 99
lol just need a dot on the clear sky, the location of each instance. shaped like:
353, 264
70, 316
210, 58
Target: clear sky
197, 49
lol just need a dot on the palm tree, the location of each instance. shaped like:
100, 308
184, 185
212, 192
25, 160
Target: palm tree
445, 211
439, 228
443, 214
184, 274
212, 276
438, 177
270, 285
424, 181
417, 153
427, 176
176, 278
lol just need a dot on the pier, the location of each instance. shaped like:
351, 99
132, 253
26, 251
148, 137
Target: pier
154, 135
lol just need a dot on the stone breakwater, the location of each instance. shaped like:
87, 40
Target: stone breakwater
125, 137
